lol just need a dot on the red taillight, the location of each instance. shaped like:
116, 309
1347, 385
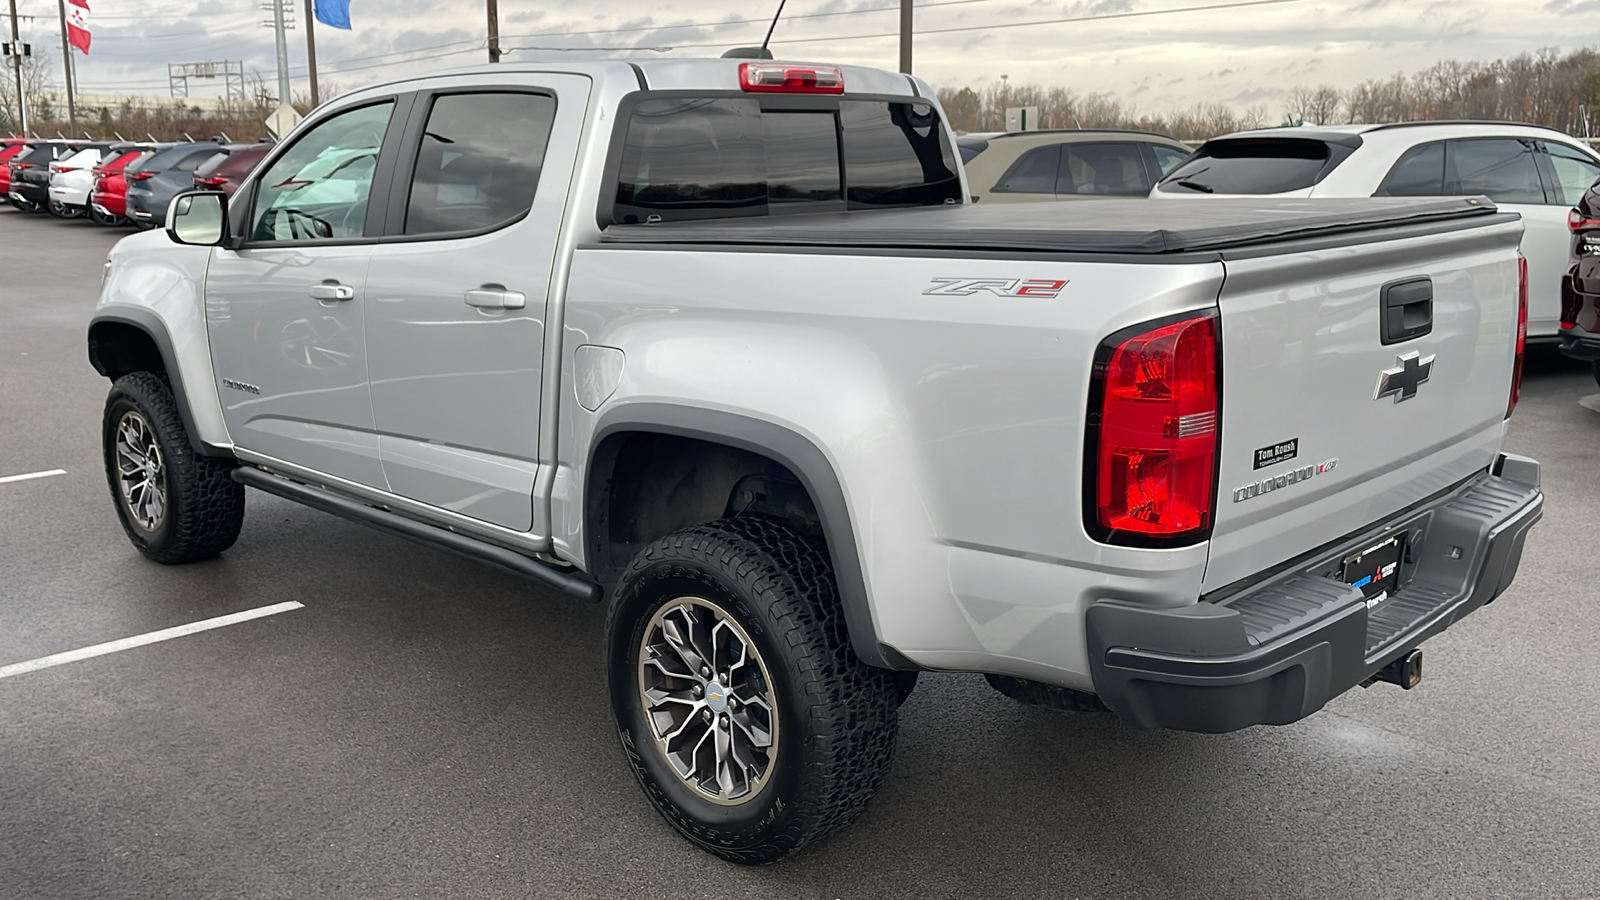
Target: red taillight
23, 165
1577, 222
213, 181
64, 169
1153, 434
1522, 333
141, 176
787, 79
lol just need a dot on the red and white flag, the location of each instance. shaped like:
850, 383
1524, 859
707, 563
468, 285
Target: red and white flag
78, 24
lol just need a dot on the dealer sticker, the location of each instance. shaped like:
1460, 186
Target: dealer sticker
1277, 453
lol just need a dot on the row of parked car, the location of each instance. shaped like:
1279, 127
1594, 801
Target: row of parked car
1537, 172
117, 182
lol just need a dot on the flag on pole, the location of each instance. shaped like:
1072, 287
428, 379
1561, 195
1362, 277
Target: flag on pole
78, 24
333, 12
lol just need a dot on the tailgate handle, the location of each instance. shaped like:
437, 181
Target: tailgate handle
1406, 309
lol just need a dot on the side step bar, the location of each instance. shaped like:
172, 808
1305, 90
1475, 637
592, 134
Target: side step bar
438, 538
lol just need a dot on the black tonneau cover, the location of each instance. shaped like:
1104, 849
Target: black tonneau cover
1077, 226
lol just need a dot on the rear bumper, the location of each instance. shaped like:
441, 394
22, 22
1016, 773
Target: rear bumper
1279, 650
1579, 344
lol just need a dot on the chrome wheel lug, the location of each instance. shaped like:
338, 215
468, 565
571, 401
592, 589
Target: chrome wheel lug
705, 714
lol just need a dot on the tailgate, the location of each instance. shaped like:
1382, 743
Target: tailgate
1310, 451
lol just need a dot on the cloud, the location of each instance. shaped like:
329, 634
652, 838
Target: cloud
1573, 7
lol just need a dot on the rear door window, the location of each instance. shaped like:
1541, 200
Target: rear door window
1255, 166
1035, 172
479, 161
721, 157
1502, 169
1574, 171
1107, 170
1418, 173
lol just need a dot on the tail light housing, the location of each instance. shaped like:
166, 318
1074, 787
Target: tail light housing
1522, 333
213, 181
782, 78
1154, 422
141, 176
1577, 221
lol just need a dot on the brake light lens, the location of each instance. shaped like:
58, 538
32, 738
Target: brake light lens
64, 169
1153, 436
786, 79
141, 176
23, 165
213, 181
1522, 333
1576, 221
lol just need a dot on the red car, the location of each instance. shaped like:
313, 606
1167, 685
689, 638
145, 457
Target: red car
108, 203
9, 147
224, 171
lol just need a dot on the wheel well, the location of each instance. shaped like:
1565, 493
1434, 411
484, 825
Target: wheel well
117, 348
643, 485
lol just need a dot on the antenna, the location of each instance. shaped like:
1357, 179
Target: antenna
773, 27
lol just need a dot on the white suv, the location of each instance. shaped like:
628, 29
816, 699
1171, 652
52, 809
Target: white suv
1538, 172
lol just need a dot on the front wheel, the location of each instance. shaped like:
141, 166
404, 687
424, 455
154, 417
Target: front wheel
175, 505
747, 718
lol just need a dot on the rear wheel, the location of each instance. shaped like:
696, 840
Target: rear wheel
175, 505
63, 211
748, 720
101, 218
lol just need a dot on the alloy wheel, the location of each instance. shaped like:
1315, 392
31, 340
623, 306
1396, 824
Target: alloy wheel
141, 471
708, 697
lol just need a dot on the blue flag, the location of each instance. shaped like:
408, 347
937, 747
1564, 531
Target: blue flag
333, 12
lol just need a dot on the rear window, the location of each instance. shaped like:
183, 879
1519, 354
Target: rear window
1255, 166
707, 158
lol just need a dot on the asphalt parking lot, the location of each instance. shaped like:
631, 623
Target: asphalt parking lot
426, 727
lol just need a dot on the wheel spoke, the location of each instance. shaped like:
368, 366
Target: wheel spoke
728, 650
677, 629
759, 734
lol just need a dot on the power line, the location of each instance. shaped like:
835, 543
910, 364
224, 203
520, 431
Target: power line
732, 22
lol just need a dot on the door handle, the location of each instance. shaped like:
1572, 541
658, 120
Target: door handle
332, 290
1406, 309
495, 296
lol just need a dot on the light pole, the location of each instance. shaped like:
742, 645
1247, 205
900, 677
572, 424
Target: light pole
16, 59
283, 51
66, 58
905, 36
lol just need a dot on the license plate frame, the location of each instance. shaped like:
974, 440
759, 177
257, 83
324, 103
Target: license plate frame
1376, 570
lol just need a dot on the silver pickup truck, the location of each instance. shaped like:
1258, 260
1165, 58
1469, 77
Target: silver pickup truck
724, 344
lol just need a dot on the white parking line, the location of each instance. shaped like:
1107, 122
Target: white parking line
29, 476
166, 634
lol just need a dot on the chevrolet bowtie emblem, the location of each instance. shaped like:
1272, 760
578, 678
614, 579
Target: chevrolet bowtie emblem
1403, 380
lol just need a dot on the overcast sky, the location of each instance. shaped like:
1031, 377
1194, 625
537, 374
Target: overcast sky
1238, 56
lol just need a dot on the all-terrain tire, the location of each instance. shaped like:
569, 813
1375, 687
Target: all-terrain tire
203, 509
837, 717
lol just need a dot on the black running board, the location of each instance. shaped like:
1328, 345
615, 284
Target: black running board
439, 538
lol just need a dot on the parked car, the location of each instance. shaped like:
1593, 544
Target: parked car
1580, 291
108, 202
1536, 172
161, 177
30, 173
9, 148
232, 163
736, 353
971, 144
1030, 166
72, 179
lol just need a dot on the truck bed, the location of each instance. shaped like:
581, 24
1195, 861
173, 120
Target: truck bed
1219, 228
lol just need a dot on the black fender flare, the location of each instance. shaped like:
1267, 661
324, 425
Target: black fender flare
151, 325
800, 456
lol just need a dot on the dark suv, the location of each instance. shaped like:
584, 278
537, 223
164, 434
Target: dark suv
234, 161
162, 177
30, 173
1580, 292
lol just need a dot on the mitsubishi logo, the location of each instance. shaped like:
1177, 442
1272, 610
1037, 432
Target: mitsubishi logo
1403, 380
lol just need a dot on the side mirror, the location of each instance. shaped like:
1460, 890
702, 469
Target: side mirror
199, 218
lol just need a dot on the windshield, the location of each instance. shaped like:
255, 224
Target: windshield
1255, 166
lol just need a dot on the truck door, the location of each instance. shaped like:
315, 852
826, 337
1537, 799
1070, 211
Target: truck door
284, 310
458, 287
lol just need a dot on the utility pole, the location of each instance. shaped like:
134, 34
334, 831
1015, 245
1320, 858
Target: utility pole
16, 59
311, 52
494, 31
66, 59
283, 51
905, 36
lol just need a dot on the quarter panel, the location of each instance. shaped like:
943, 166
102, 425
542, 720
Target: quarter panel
954, 423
